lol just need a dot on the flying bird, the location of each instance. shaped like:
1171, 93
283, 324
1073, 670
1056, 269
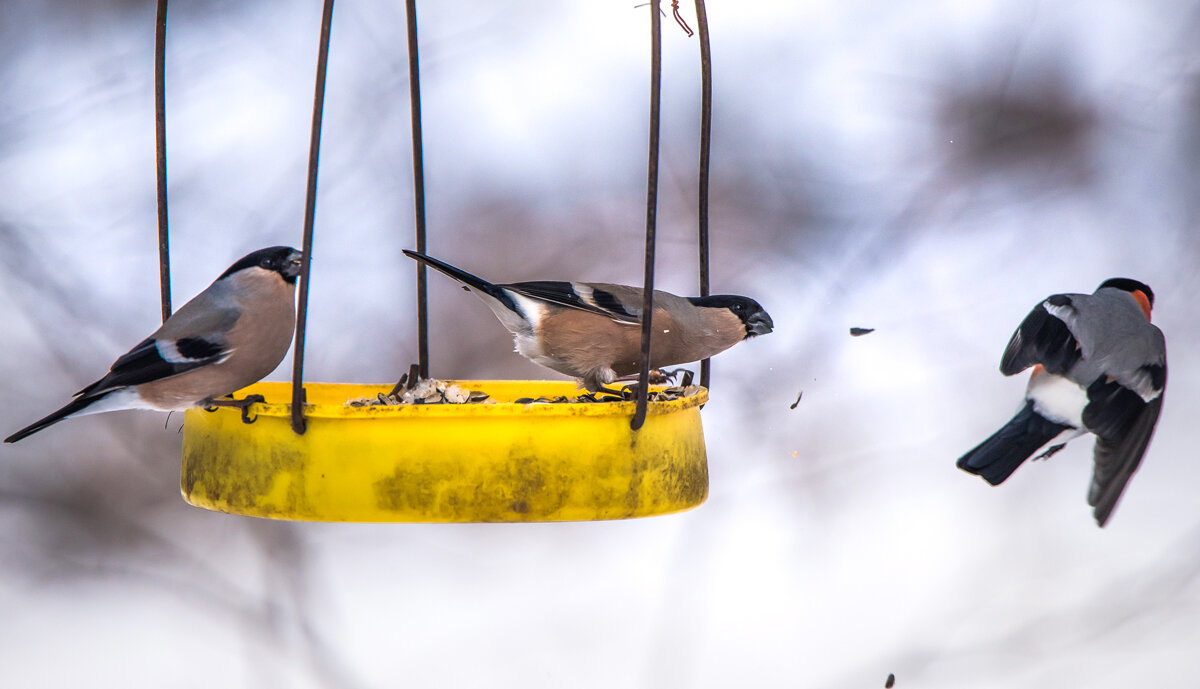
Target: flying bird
230, 335
592, 331
1100, 367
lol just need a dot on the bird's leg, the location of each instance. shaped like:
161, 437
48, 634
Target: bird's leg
211, 405
1050, 451
687, 376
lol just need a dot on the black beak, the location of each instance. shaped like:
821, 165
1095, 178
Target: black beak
291, 267
759, 324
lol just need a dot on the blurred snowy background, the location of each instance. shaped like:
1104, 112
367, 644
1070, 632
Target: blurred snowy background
929, 169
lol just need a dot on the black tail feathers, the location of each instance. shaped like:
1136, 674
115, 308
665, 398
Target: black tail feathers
996, 458
456, 273
75, 405
473, 281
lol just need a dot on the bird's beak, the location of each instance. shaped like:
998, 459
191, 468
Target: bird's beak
759, 324
291, 267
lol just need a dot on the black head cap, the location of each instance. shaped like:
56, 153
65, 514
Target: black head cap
1130, 285
752, 315
281, 259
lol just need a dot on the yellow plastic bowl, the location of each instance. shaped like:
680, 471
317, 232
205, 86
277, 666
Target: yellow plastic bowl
504, 462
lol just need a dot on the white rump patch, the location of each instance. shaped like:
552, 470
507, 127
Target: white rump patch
1057, 398
123, 398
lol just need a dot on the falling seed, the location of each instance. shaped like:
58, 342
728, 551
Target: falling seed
859, 332
891, 681
795, 453
797, 399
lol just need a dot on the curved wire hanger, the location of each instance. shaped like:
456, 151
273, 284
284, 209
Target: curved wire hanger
298, 421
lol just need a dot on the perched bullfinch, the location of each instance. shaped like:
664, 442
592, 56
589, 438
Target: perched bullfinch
230, 335
592, 331
1099, 366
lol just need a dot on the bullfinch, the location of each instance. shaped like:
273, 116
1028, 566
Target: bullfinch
230, 335
1100, 367
592, 331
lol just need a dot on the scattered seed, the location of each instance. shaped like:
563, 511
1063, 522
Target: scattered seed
859, 332
797, 399
433, 391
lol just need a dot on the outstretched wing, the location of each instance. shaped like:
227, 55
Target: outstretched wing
1045, 338
1123, 423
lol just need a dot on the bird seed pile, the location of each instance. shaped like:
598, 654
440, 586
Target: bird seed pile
426, 391
433, 391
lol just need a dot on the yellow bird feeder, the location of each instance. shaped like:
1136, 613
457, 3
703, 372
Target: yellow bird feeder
501, 462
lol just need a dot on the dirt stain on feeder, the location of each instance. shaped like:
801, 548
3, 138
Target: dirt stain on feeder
245, 476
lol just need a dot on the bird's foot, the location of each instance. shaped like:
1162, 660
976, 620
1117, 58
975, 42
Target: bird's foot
670, 376
1050, 451
661, 376
212, 405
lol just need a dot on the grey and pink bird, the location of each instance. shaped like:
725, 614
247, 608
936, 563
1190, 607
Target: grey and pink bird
592, 331
230, 335
1099, 367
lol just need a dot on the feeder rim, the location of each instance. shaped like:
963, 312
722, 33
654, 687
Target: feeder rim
498, 409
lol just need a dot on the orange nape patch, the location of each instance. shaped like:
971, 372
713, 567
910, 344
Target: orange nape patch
1142, 301
1038, 369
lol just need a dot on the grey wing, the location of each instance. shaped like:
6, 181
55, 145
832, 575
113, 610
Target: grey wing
209, 315
155, 359
194, 336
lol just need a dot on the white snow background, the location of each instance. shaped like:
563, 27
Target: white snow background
929, 169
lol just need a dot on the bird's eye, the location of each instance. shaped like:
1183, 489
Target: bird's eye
265, 263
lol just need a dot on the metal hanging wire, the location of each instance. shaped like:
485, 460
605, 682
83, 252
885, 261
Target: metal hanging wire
160, 155
298, 422
705, 150
639, 415
414, 93
310, 207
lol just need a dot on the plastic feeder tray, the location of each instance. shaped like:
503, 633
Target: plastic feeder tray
503, 462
